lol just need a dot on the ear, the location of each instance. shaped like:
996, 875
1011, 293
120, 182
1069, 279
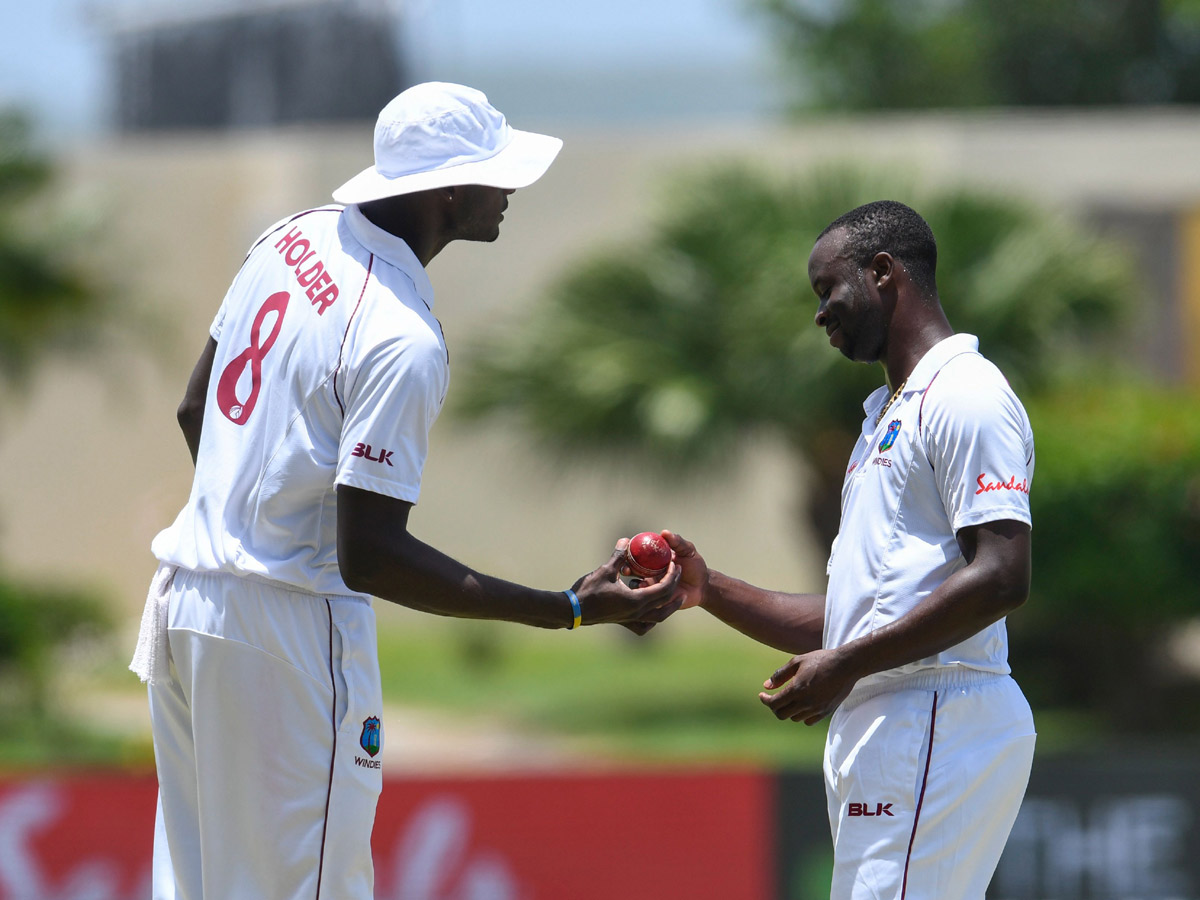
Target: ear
883, 269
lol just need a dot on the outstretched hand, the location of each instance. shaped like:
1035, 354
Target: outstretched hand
603, 597
810, 687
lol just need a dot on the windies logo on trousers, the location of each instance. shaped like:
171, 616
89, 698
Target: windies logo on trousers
369, 739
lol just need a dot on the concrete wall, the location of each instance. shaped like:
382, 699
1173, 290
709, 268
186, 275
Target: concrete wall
95, 465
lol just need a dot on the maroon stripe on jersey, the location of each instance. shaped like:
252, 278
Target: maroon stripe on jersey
341, 349
921, 799
333, 753
283, 225
921, 408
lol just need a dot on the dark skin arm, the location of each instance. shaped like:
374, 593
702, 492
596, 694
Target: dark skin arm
793, 623
378, 556
191, 410
994, 582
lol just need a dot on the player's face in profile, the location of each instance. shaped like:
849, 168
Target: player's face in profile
847, 309
479, 210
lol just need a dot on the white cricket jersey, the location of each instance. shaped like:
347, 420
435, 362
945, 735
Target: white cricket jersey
330, 369
954, 450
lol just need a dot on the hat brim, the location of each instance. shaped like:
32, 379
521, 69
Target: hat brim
522, 162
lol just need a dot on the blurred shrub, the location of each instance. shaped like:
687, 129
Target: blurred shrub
37, 625
875, 54
1116, 542
49, 299
670, 352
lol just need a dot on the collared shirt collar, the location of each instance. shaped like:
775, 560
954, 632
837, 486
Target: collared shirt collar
390, 249
937, 356
922, 374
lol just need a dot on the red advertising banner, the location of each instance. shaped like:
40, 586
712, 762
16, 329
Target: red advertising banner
77, 838
608, 836
694, 835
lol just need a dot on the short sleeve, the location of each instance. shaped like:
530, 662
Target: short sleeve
391, 401
218, 323
979, 443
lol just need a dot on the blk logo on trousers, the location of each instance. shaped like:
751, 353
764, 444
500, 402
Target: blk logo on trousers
870, 809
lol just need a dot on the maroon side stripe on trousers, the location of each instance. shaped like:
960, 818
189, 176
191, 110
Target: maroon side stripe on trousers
332, 756
921, 798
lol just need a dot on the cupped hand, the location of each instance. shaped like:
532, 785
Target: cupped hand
808, 687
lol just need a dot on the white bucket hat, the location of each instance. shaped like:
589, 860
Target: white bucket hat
440, 135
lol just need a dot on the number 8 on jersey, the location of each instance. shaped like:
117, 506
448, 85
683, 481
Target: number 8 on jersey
235, 410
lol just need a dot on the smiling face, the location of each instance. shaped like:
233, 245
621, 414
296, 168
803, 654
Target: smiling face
849, 310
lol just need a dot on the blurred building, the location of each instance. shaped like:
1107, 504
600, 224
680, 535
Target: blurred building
252, 64
1164, 240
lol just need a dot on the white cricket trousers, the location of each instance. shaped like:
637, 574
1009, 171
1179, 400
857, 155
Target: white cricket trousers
266, 741
923, 788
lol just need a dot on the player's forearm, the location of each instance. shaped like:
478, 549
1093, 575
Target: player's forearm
793, 623
963, 605
414, 574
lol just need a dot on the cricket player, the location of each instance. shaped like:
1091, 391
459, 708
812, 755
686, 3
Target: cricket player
931, 741
307, 416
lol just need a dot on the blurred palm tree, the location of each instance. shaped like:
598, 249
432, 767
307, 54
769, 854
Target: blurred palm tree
48, 300
673, 351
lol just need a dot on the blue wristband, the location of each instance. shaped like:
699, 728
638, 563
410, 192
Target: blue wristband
576, 612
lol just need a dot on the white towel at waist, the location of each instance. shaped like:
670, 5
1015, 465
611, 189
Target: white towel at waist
151, 656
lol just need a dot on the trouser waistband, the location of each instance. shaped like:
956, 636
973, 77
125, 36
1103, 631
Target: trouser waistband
922, 680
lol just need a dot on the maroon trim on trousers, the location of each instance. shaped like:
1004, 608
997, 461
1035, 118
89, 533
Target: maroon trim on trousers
349, 322
921, 799
333, 753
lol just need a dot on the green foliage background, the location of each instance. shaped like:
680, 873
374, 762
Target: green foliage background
49, 303
676, 349
928, 54
673, 351
1116, 507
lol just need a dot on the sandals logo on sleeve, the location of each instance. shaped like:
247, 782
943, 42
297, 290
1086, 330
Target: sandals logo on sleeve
986, 486
890, 438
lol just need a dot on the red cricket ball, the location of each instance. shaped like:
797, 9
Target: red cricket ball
647, 554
